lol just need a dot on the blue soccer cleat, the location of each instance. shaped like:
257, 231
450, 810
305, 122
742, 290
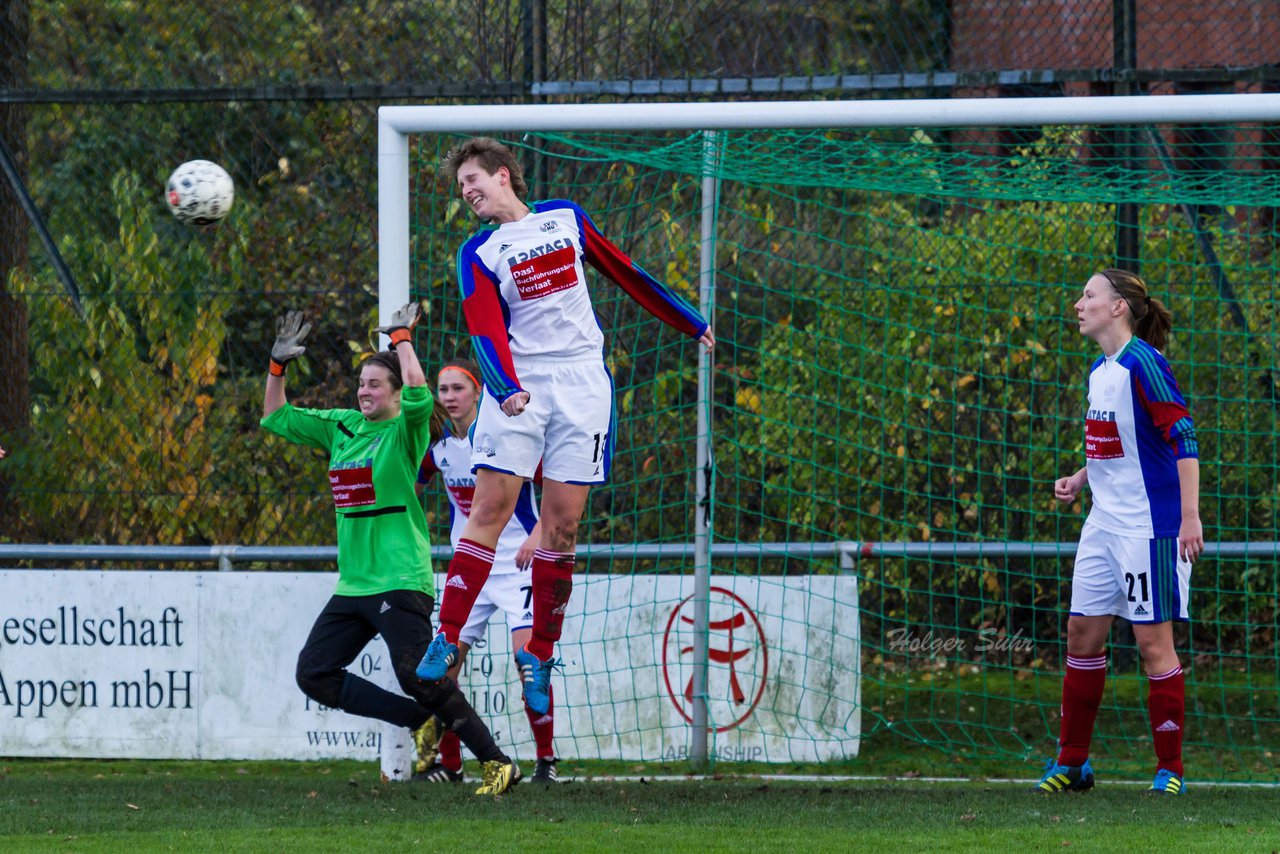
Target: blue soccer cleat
1166, 783
535, 676
1065, 778
441, 655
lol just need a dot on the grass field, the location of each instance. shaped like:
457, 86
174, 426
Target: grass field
48, 805
1002, 723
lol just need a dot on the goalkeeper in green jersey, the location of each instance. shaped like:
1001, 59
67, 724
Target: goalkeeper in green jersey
385, 582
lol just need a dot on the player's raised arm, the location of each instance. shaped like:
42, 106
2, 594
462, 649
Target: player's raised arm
290, 333
400, 330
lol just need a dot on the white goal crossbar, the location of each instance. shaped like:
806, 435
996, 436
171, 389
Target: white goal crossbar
396, 123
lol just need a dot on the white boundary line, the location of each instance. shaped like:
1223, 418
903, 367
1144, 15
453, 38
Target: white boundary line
857, 778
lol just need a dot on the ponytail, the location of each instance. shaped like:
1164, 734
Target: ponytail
436, 426
1148, 317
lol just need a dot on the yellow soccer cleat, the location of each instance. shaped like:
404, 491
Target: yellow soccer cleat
499, 776
426, 740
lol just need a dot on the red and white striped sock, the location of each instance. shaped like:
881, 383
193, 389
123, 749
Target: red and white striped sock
468, 571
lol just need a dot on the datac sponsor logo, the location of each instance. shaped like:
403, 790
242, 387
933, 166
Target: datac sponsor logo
738, 655
1102, 439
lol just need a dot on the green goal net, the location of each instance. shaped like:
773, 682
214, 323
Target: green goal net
898, 368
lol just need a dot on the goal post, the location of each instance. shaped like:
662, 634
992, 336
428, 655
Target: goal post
887, 281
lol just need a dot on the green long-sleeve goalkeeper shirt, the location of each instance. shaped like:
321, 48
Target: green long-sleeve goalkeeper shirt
382, 533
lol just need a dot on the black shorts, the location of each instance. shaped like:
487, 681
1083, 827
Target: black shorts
347, 624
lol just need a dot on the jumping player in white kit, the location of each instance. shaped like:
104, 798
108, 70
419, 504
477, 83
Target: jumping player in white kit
508, 588
1143, 531
548, 394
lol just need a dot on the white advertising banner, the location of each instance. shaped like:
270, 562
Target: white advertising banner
201, 665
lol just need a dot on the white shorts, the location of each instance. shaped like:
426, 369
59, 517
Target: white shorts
567, 425
509, 592
1140, 579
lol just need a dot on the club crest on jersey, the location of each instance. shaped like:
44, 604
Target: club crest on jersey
549, 225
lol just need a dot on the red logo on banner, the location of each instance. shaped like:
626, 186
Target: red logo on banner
738, 654
352, 487
1102, 440
546, 274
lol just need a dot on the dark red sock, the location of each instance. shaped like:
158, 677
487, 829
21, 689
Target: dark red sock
1167, 704
451, 751
543, 727
1081, 695
468, 571
552, 585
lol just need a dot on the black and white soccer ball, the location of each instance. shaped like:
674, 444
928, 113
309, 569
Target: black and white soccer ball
200, 192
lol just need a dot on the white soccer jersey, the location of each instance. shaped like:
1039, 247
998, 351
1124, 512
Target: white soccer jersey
451, 457
1136, 430
525, 294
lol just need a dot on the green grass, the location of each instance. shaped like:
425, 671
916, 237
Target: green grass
272, 806
1003, 723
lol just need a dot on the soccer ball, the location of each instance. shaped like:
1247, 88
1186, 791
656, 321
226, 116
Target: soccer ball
200, 192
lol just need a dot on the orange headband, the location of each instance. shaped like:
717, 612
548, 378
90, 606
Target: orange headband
461, 370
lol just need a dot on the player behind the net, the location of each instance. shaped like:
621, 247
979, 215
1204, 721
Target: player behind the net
1143, 531
548, 396
508, 589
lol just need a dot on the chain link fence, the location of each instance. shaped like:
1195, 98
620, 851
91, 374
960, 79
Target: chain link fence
132, 348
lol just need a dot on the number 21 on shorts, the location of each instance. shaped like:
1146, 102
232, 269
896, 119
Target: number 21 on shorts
1139, 589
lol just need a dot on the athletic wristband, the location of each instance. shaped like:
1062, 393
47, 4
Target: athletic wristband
399, 335
277, 368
